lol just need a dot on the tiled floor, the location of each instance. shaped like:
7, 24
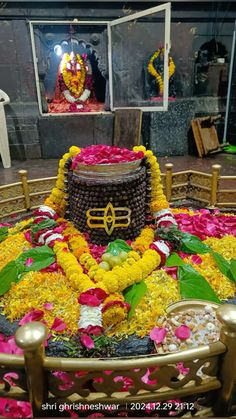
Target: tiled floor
46, 168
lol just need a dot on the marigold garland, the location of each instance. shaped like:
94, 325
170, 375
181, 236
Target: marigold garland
56, 200
155, 73
74, 83
158, 199
143, 241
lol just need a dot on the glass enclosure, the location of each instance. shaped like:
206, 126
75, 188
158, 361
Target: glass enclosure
140, 68
83, 67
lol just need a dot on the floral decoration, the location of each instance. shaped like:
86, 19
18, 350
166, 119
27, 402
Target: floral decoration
156, 74
73, 81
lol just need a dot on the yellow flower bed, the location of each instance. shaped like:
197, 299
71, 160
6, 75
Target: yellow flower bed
38, 288
226, 246
162, 291
12, 247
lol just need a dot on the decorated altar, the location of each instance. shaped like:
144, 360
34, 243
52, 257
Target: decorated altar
103, 258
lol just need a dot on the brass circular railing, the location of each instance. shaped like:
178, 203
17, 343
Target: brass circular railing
209, 189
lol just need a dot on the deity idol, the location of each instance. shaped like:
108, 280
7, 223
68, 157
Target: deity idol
74, 83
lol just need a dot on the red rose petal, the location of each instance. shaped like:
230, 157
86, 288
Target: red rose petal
87, 341
182, 332
34, 315
196, 259
58, 325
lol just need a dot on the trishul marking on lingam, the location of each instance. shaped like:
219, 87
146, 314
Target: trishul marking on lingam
109, 219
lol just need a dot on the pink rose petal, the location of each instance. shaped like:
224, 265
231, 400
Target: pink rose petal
196, 259
48, 306
145, 378
182, 332
182, 368
34, 315
29, 262
158, 334
28, 236
87, 341
58, 325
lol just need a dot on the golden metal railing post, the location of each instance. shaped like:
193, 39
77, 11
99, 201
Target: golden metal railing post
169, 180
226, 314
25, 187
30, 338
214, 183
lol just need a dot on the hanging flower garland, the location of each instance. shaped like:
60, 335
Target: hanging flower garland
159, 205
56, 200
155, 73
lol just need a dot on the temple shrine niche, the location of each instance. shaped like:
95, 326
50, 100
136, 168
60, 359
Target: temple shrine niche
84, 67
71, 75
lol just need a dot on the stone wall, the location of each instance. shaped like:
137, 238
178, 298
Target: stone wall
33, 136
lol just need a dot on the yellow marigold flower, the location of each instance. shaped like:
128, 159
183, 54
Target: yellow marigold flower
84, 257
114, 315
117, 296
60, 184
162, 290
74, 151
37, 288
65, 157
110, 281
139, 148
12, 247
130, 261
134, 255
73, 270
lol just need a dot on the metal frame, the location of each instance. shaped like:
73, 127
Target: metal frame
231, 66
35, 60
166, 8
34, 370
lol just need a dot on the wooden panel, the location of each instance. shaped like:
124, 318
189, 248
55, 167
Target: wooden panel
208, 134
197, 137
205, 135
127, 127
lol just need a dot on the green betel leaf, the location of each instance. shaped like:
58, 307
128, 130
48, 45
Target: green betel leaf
192, 244
43, 225
3, 233
223, 265
194, 285
42, 257
118, 246
8, 274
133, 295
233, 269
174, 260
